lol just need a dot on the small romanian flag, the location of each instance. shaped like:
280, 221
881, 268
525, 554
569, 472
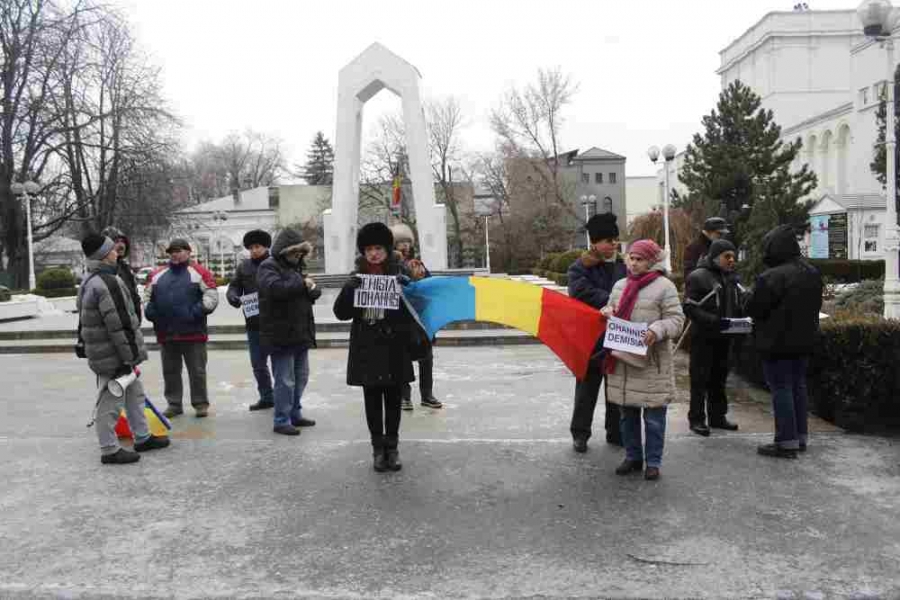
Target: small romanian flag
157, 422
568, 327
396, 194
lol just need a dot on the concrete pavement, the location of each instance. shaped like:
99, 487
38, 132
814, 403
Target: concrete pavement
491, 503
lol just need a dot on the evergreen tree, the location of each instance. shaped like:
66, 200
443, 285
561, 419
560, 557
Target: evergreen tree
319, 168
879, 158
741, 169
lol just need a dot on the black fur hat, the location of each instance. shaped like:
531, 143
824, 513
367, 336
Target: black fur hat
374, 234
257, 236
602, 227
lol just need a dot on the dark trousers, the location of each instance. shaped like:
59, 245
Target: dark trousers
383, 413
426, 380
193, 355
709, 370
787, 380
586, 392
259, 362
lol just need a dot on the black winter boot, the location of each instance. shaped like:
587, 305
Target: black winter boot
391, 454
378, 459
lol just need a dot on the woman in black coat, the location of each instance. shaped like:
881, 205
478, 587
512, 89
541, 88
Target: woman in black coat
380, 358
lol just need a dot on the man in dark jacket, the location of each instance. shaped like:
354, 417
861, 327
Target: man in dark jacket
711, 295
114, 347
243, 293
713, 229
287, 328
591, 279
180, 296
403, 244
123, 248
785, 305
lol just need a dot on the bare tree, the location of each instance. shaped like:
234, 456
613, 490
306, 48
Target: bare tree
239, 162
445, 124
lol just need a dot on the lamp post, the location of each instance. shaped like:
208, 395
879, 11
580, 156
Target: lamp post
669, 151
27, 190
220, 217
878, 19
587, 201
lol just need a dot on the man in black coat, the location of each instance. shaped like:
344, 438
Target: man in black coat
123, 268
712, 294
785, 305
591, 279
243, 293
287, 328
713, 229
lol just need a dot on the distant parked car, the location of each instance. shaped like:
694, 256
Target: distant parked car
143, 274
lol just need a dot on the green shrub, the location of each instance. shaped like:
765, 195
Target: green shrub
849, 271
56, 292
564, 260
561, 279
853, 378
5, 294
865, 299
54, 279
222, 281
547, 262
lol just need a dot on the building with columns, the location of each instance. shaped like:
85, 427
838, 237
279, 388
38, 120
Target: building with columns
822, 79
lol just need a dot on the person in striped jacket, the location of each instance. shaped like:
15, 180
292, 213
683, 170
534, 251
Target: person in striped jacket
180, 296
114, 347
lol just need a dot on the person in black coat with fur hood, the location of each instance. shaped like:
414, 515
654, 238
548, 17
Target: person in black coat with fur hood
380, 358
287, 328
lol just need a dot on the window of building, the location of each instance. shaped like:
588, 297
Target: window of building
864, 96
598, 177
612, 177
585, 178
879, 91
274, 197
870, 237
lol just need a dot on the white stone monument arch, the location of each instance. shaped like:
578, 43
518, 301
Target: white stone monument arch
378, 68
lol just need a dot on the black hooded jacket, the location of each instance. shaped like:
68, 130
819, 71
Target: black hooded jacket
705, 309
786, 299
124, 271
243, 283
285, 303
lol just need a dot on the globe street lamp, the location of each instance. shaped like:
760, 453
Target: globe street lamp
220, 217
669, 151
878, 19
587, 201
27, 190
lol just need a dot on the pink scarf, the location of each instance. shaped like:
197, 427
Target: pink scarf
629, 297
626, 305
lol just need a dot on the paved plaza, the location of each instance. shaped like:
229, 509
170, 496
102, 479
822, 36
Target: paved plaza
491, 503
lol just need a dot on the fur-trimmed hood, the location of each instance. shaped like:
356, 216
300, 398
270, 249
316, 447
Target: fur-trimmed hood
290, 239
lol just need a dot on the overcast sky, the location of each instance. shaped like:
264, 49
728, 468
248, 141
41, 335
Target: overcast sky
645, 68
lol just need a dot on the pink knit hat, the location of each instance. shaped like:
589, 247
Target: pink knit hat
646, 249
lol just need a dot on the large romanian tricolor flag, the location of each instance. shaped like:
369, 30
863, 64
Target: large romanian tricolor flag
568, 327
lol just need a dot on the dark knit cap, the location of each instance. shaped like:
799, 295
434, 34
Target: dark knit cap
96, 246
716, 224
718, 247
257, 236
374, 234
602, 227
178, 244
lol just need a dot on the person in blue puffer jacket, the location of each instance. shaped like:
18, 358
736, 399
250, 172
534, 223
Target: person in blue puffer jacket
179, 297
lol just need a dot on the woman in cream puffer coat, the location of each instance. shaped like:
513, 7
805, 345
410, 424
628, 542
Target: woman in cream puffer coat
652, 387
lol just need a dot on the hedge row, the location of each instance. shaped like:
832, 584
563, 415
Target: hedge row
849, 271
56, 279
853, 378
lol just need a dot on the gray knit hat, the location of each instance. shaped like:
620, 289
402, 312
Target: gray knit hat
96, 246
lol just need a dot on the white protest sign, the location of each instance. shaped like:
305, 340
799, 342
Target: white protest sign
250, 302
377, 291
744, 325
625, 336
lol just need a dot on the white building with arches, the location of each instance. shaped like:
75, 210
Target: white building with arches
822, 79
